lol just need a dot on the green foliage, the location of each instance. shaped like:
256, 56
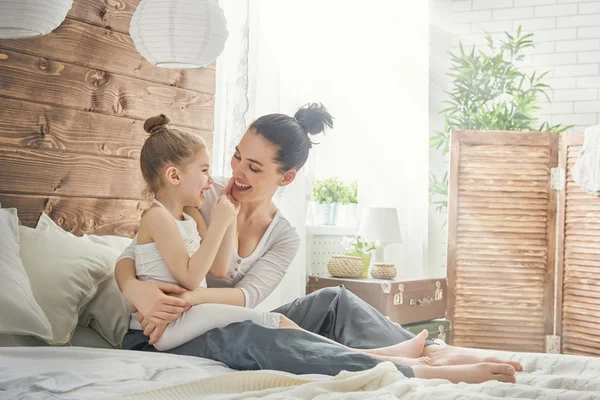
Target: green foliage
358, 245
330, 190
351, 195
488, 93
334, 190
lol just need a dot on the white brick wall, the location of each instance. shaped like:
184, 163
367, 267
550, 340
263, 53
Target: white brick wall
567, 40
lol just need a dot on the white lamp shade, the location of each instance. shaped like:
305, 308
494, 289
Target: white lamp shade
179, 34
21, 19
380, 223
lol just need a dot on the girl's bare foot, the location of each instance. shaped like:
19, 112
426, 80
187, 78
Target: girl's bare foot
474, 373
449, 355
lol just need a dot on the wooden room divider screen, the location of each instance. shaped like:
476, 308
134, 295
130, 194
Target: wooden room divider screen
501, 239
518, 224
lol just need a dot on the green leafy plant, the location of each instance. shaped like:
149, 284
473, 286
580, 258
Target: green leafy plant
490, 92
358, 245
351, 194
330, 190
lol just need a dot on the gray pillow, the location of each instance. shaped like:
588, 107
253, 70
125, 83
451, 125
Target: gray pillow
108, 313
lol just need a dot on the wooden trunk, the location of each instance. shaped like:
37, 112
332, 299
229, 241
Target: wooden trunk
501, 239
438, 329
402, 301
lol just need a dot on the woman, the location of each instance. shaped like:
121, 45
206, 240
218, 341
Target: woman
268, 156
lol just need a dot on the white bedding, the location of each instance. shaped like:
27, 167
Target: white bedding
86, 373
81, 373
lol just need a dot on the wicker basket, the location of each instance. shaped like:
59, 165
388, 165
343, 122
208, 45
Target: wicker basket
383, 271
345, 266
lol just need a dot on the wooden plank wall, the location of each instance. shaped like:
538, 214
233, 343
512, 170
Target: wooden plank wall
501, 239
72, 108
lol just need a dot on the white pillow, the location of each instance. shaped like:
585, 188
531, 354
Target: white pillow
119, 243
65, 272
20, 314
108, 312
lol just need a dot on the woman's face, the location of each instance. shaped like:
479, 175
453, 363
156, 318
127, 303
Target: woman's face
256, 175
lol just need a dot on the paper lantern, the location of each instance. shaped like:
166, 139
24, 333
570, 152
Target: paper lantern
20, 19
179, 34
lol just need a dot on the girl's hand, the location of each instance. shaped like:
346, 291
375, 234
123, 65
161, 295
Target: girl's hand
227, 191
224, 211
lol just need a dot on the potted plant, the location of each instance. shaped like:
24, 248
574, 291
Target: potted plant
490, 92
348, 209
359, 247
327, 195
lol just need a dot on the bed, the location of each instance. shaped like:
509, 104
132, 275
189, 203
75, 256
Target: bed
87, 364
88, 373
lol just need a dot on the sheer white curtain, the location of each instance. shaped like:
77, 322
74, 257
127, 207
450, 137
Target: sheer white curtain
367, 62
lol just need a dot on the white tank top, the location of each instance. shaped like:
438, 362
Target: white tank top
149, 264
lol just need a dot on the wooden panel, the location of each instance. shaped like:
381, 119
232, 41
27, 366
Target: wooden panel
40, 126
79, 43
52, 82
79, 215
501, 230
578, 297
72, 106
113, 14
53, 173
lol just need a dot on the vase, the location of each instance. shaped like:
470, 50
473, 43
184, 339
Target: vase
325, 213
366, 258
347, 215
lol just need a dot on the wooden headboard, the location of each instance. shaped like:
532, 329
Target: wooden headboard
72, 109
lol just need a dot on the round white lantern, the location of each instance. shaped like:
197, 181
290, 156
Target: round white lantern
179, 34
20, 19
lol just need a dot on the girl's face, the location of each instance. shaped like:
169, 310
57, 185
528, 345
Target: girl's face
256, 174
195, 179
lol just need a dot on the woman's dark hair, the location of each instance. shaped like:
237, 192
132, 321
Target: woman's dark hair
291, 135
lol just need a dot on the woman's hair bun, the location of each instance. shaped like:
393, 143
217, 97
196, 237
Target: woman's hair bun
314, 118
156, 124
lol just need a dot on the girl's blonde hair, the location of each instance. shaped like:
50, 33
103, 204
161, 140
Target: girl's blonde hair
165, 146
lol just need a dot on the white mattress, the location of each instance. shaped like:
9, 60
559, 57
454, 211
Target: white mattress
82, 373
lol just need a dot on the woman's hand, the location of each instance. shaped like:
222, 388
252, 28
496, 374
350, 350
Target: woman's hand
155, 330
158, 302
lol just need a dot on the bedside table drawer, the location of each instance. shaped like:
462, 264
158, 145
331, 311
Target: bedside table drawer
402, 301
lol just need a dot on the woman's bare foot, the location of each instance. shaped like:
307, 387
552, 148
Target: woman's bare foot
475, 373
412, 348
410, 361
449, 355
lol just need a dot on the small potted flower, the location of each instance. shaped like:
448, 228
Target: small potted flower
359, 247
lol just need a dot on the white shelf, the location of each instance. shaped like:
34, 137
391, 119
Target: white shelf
331, 230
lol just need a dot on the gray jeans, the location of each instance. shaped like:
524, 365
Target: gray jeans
335, 313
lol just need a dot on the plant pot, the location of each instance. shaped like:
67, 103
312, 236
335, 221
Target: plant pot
366, 258
326, 213
347, 215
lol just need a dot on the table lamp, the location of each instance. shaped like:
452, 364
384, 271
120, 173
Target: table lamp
381, 224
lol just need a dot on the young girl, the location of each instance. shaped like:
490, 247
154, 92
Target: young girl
174, 246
